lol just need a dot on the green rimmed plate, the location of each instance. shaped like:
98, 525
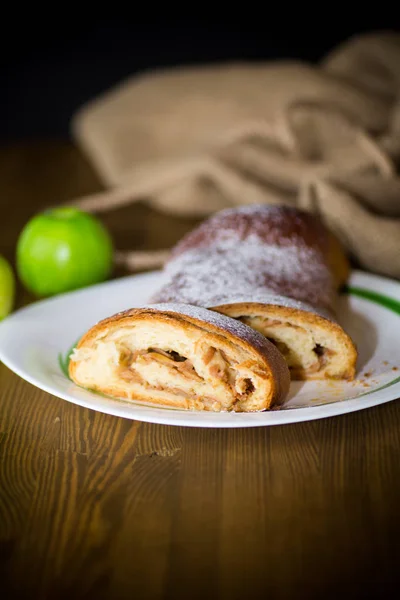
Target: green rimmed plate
35, 343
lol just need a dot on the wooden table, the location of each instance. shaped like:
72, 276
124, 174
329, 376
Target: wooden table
94, 506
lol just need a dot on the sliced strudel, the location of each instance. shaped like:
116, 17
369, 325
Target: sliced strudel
181, 357
276, 269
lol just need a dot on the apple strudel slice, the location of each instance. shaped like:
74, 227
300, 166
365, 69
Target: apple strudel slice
183, 357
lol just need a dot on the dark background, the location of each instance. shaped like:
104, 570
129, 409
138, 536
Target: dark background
51, 62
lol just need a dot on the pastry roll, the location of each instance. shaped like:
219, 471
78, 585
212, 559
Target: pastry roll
276, 269
182, 357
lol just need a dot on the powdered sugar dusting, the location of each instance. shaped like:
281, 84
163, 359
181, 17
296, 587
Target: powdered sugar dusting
268, 254
278, 275
271, 224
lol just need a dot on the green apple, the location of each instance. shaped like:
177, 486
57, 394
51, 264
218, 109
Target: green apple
63, 249
7, 288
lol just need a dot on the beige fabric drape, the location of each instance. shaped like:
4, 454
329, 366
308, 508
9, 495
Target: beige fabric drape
324, 137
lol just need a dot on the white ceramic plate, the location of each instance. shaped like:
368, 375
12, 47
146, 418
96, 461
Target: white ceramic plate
35, 342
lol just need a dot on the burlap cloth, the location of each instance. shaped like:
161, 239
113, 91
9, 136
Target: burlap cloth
324, 137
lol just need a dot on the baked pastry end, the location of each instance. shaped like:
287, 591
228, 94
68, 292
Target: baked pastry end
185, 357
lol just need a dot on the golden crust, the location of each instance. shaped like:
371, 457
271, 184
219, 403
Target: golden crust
264, 356
163, 402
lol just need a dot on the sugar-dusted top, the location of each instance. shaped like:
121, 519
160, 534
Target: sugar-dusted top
268, 254
271, 224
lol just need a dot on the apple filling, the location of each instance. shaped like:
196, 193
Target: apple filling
304, 354
168, 371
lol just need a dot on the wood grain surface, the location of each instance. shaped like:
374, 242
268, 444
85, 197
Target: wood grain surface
94, 506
